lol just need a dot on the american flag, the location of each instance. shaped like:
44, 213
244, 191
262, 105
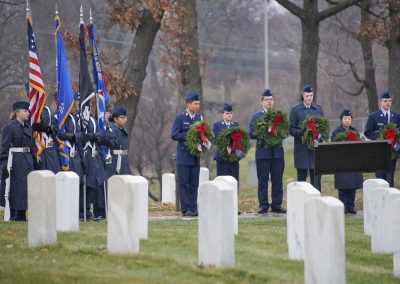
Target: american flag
37, 95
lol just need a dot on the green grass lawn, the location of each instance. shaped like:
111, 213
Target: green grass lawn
170, 256
170, 253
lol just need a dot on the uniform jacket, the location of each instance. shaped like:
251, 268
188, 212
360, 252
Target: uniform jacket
95, 171
118, 141
262, 152
218, 127
376, 121
303, 157
352, 180
179, 130
50, 159
17, 135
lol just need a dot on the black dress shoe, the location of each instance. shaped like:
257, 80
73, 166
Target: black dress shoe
278, 210
263, 211
352, 211
189, 214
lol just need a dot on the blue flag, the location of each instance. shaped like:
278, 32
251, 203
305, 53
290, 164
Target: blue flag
99, 82
65, 95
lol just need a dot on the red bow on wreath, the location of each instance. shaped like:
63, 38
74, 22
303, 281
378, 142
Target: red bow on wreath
277, 120
351, 136
390, 135
313, 128
236, 137
201, 129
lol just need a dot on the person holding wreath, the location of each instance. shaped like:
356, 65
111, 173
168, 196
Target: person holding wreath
347, 183
303, 155
376, 123
269, 158
187, 164
225, 167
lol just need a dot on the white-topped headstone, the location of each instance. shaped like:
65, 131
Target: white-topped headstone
396, 265
204, 175
385, 215
215, 228
122, 226
142, 203
168, 189
324, 248
67, 196
42, 221
297, 194
252, 173
369, 186
234, 184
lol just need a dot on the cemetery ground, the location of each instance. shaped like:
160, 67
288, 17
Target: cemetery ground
170, 253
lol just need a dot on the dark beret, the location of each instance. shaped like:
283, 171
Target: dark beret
346, 112
20, 105
227, 107
118, 111
307, 89
192, 96
385, 95
266, 93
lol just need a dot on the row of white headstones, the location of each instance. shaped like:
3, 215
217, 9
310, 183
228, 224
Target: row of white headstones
315, 224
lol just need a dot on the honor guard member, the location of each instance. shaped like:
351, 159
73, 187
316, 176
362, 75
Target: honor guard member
224, 167
49, 157
17, 161
269, 161
187, 165
303, 156
116, 138
347, 183
376, 121
73, 138
95, 171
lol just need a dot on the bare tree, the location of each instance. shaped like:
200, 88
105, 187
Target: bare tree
310, 18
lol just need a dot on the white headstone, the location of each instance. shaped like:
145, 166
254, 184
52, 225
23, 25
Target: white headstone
204, 175
396, 265
383, 229
215, 228
168, 189
369, 186
252, 173
122, 225
67, 196
42, 221
234, 184
324, 250
142, 203
297, 194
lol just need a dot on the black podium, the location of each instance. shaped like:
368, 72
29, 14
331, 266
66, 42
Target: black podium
354, 156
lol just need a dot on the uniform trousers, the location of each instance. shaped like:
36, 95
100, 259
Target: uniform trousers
188, 179
347, 196
383, 175
265, 167
302, 176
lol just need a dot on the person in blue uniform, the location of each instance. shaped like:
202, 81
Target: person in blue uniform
73, 138
224, 167
49, 157
187, 165
116, 138
269, 161
303, 156
376, 121
347, 183
95, 171
17, 135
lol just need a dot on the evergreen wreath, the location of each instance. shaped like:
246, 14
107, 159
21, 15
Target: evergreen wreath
272, 128
347, 135
197, 137
391, 133
316, 129
233, 143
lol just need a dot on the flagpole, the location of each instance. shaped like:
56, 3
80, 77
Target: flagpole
28, 13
